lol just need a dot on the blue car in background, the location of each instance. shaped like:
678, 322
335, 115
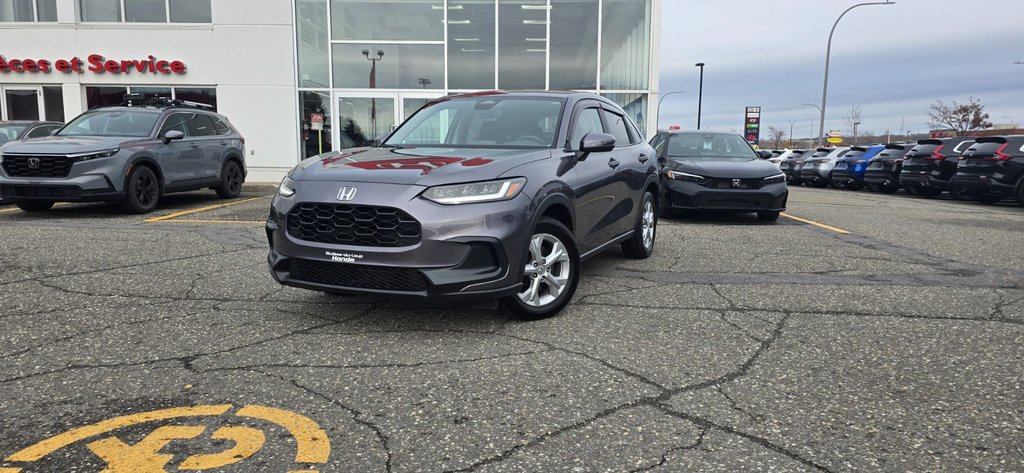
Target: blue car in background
850, 169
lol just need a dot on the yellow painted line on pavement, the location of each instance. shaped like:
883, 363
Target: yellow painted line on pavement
195, 211
313, 444
241, 222
816, 224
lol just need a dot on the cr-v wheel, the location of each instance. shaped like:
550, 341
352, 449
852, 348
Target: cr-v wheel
230, 181
142, 191
550, 275
641, 245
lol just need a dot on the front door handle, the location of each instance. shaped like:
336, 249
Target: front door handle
613, 163
194, 145
643, 158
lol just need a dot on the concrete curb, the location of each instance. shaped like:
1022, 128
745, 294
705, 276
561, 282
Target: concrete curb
260, 187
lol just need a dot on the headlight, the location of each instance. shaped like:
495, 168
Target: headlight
287, 188
776, 179
107, 153
477, 192
685, 176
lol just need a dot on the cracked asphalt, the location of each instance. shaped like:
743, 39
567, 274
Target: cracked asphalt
740, 346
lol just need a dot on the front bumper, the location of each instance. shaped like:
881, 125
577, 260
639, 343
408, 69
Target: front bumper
692, 196
464, 251
81, 188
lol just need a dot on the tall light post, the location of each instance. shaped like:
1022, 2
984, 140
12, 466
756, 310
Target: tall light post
828, 59
820, 135
791, 123
1013, 125
662, 99
810, 136
855, 125
700, 94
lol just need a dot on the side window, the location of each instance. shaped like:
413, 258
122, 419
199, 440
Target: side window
617, 127
175, 122
200, 124
657, 140
662, 149
588, 121
220, 127
41, 131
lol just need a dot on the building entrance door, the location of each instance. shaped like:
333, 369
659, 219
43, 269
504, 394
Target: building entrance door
363, 117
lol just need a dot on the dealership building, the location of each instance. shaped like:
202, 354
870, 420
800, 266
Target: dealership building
300, 77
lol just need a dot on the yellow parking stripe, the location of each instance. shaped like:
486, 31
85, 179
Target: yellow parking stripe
195, 211
816, 224
241, 222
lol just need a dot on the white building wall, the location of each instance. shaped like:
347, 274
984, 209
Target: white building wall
247, 53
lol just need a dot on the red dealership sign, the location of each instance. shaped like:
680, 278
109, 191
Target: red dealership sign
93, 63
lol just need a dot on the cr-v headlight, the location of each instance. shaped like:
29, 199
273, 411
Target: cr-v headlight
287, 188
107, 153
776, 179
476, 192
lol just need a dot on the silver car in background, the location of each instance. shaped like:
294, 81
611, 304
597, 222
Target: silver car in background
817, 170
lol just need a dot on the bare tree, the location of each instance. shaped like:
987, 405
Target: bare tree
852, 121
961, 118
777, 137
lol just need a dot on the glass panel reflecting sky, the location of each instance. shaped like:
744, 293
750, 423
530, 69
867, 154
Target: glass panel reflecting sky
522, 41
398, 66
419, 20
574, 44
471, 44
313, 43
625, 44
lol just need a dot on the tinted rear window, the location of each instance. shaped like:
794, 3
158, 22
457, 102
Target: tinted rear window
985, 148
923, 150
893, 153
854, 154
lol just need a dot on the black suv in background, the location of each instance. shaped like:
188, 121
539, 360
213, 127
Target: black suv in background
993, 168
130, 154
796, 164
929, 167
883, 174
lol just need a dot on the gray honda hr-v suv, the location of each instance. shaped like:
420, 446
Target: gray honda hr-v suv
493, 195
129, 154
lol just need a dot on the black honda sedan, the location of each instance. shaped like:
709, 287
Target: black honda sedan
483, 196
720, 172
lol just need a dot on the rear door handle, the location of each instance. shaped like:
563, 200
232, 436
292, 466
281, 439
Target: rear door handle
643, 158
614, 163
194, 145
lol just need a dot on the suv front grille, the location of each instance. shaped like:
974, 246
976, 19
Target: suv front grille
37, 166
357, 276
340, 224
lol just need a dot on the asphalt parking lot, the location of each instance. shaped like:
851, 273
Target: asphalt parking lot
876, 333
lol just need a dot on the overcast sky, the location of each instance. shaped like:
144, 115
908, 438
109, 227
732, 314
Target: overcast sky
893, 60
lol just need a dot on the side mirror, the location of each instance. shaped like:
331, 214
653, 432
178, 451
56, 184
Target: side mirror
764, 154
172, 135
380, 139
597, 143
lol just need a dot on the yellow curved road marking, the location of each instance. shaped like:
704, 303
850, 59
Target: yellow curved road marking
145, 456
195, 211
816, 224
312, 442
247, 441
42, 449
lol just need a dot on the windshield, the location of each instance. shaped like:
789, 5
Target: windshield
710, 147
112, 123
10, 132
483, 122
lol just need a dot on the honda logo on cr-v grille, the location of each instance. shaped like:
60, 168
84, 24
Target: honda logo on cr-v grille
347, 193
33, 163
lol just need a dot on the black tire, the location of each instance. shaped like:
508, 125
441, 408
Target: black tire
768, 216
515, 304
1020, 194
928, 193
639, 247
837, 185
35, 205
854, 186
141, 191
230, 181
874, 187
891, 188
961, 194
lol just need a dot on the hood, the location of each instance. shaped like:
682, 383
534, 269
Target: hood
65, 144
419, 166
727, 169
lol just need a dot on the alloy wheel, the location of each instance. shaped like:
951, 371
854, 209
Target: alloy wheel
648, 225
145, 189
548, 270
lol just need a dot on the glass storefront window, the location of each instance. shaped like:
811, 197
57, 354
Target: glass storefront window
145, 11
105, 96
313, 43
46, 10
522, 40
190, 11
396, 20
471, 44
625, 44
22, 104
574, 44
635, 106
389, 66
53, 103
100, 10
205, 95
160, 91
315, 141
362, 120
16, 10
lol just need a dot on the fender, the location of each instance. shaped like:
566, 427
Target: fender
553, 193
148, 159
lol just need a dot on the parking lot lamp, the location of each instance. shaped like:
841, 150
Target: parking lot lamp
811, 136
700, 94
828, 58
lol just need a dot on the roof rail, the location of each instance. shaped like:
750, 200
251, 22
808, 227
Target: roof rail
155, 100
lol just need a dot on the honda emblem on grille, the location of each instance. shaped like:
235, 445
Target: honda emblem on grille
736, 182
33, 163
347, 193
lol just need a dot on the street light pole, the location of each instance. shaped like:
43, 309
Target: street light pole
828, 60
820, 135
662, 99
855, 125
700, 94
791, 122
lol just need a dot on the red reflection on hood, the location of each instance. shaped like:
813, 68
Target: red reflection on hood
424, 164
477, 162
329, 161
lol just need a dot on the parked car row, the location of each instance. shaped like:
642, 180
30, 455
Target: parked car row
987, 169
131, 154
